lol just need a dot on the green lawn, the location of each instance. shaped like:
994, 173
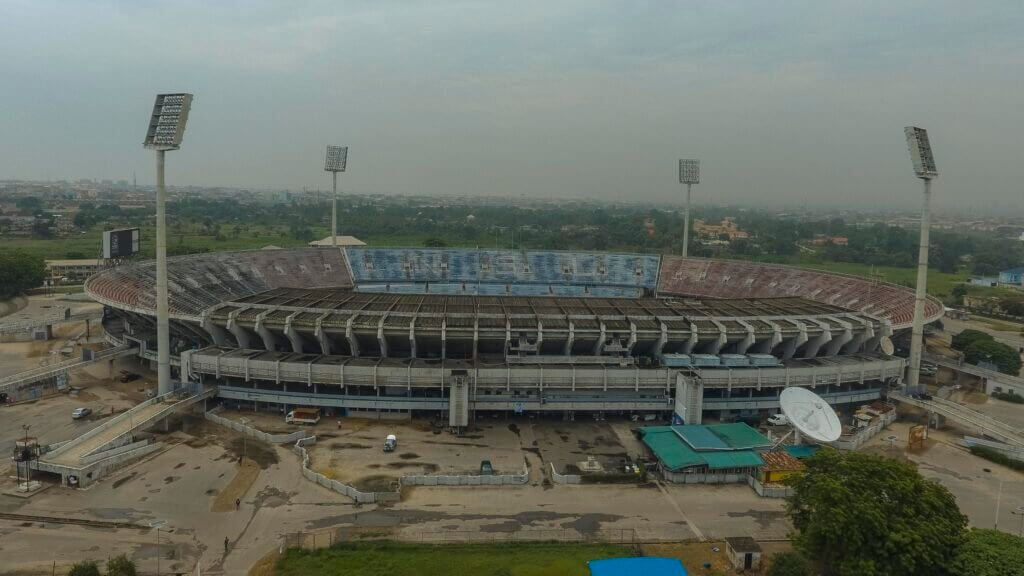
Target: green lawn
939, 283
399, 559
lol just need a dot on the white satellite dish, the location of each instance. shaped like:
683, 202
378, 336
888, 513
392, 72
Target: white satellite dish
886, 344
810, 415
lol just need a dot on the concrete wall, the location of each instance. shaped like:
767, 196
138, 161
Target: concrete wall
858, 439
564, 478
770, 491
254, 433
339, 487
468, 479
704, 478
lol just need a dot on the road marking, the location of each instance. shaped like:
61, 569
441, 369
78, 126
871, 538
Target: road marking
689, 523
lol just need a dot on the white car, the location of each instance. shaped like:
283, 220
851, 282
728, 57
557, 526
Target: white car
79, 413
778, 420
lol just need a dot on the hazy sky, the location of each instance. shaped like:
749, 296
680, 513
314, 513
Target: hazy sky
788, 101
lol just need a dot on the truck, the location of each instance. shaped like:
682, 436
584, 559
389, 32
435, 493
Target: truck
390, 443
303, 416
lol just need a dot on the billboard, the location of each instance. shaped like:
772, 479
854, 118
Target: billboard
122, 243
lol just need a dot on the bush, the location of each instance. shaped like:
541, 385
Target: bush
120, 566
85, 568
997, 457
789, 564
1009, 397
967, 337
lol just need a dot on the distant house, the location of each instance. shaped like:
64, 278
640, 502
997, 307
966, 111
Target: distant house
1012, 277
342, 241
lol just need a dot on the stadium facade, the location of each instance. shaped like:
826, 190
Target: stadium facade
409, 331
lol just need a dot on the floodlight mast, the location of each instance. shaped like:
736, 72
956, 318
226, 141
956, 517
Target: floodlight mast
335, 161
166, 128
924, 168
689, 174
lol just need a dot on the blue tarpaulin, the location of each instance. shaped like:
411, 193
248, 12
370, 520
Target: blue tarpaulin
646, 565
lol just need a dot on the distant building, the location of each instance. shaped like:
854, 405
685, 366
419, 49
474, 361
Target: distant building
71, 271
821, 240
715, 231
1012, 277
989, 282
342, 241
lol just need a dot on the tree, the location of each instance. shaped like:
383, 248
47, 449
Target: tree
120, 566
1006, 358
20, 271
434, 243
990, 553
967, 337
958, 292
790, 563
85, 568
861, 514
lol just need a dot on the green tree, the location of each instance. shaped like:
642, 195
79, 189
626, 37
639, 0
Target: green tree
85, 568
434, 243
1006, 358
967, 337
120, 566
20, 271
990, 553
790, 563
958, 292
861, 514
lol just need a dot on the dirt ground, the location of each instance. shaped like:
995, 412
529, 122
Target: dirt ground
237, 488
567, 444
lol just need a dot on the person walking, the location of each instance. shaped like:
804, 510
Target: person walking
238, 503
226, 543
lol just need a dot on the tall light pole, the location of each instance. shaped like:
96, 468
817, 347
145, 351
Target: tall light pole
166, 128
157, 524
924, 168
337, 158
689, 174
28, 461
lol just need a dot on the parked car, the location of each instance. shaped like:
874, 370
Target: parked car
928, 369
486, 469
390, 443
129, 376
79, 413
778, 420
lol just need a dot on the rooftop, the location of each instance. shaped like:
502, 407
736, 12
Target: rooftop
342, 241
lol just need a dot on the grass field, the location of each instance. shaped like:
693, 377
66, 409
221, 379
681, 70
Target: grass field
939, 283
399, 559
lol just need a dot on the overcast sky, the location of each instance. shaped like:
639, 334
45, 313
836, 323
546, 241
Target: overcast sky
787, 102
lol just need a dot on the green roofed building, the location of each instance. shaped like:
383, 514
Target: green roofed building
715, 453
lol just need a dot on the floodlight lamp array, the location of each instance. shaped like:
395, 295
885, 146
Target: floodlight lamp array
167, 122
337, 158
920, 152
689, 171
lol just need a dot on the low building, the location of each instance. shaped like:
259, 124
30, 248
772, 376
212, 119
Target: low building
777, 467
342, 241
71, 271
706, 454
1013, 277
744, 552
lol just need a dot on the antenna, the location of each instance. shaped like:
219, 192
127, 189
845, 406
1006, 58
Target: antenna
810, 415
887, 347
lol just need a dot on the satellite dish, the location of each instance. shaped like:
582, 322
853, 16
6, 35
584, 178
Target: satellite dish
886, 345
810, 415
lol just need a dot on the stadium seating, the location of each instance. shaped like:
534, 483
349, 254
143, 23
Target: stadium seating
198, 281
374, 266
734, 279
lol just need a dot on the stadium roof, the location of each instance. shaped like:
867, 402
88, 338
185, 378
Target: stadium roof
342, 241
646, 565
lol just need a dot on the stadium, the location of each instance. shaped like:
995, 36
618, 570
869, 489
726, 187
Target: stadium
456, 334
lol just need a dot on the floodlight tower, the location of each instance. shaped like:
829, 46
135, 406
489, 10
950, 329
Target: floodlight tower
337, 158
689, 174
924, 168
166, 128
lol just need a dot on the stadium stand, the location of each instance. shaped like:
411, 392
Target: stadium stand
709, 278
198, 281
